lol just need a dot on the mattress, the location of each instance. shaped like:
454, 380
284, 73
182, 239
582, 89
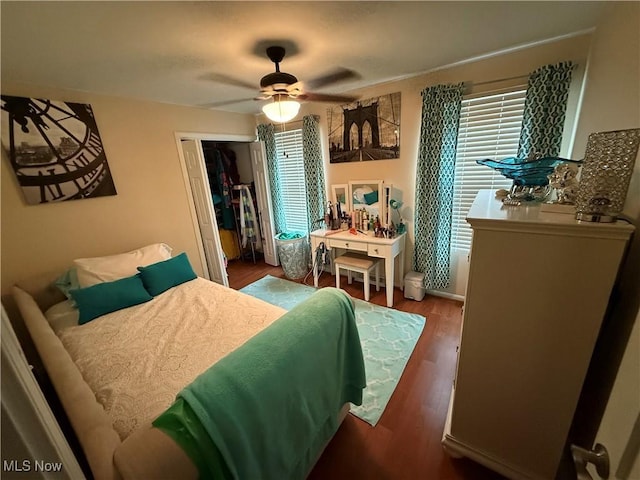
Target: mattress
137, 359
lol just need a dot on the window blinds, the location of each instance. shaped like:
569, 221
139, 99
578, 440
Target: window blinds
291, 175
489, 128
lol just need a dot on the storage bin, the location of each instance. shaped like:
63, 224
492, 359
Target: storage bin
413, 286
293, 253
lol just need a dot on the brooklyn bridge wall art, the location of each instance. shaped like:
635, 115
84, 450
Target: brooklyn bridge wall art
365, 130
55, 150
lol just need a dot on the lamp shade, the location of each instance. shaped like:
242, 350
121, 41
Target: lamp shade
608, 165
281, 110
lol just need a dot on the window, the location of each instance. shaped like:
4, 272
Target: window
489, 128
290, 165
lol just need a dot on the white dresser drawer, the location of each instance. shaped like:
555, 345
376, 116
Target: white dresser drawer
348, 245
381, 251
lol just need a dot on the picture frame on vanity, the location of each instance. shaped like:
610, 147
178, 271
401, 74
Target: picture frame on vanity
367, 195
340, 194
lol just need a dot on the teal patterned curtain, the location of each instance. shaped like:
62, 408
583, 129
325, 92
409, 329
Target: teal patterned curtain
266, 134
313, 174
441, 105
544, 110
313, 170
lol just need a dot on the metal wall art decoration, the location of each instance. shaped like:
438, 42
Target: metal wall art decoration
365, 130
55, 150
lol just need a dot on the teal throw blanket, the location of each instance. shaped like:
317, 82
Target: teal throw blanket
267, 409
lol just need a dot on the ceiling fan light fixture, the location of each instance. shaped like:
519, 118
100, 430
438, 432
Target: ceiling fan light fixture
281, 110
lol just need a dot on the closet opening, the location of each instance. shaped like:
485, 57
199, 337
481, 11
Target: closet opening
231, 180
227, 183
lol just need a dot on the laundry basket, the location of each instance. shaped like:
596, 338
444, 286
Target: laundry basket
293, 252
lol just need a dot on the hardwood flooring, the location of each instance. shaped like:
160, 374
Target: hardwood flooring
405, 444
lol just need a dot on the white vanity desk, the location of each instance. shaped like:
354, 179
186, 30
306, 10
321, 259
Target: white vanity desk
387, 248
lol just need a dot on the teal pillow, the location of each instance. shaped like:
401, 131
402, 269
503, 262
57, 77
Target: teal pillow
371, 198
108, 297
160, 277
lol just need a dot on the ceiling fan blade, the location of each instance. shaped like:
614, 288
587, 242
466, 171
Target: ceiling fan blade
338, 75
225, 102
295, 89
321, 97
227, 80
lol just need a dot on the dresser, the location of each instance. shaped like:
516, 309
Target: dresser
390, 249
539, 285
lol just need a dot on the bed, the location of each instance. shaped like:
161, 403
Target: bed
248, 369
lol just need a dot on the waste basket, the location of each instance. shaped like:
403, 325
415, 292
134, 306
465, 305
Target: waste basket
413, 286
292, 252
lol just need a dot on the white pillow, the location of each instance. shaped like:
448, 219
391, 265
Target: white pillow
359, 193
92, 271
62, 315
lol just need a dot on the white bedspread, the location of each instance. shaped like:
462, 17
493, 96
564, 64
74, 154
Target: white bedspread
136, 360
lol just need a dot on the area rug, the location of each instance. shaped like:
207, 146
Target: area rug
388, 337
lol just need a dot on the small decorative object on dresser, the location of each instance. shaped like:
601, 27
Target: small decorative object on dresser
608, 165
564, 181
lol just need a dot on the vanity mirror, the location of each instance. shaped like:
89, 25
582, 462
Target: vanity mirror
340, 194
367, 195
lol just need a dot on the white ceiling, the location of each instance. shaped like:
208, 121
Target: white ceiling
169, 51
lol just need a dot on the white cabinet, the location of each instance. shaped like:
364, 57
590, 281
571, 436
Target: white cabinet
538, 288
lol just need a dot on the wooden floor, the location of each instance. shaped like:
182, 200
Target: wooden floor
405, 444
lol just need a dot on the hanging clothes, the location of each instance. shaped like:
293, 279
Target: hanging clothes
221, 181
230, 164
247, 217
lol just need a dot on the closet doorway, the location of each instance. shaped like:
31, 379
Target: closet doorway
231, 202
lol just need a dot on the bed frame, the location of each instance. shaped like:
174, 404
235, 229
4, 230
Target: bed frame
148, 452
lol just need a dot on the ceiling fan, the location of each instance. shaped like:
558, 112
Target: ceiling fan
285, 90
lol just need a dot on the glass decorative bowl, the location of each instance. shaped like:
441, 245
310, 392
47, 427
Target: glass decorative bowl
527, 172
530, 175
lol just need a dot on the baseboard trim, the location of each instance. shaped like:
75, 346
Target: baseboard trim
450, 296
456, 448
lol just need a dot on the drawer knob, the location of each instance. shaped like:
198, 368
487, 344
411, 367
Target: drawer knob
347, 244
375, 250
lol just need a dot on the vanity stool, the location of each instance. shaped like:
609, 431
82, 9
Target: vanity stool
352, 262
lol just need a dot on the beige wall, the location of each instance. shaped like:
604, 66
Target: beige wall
152, 201
612, 102
612, 91
138, 139
402, 172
